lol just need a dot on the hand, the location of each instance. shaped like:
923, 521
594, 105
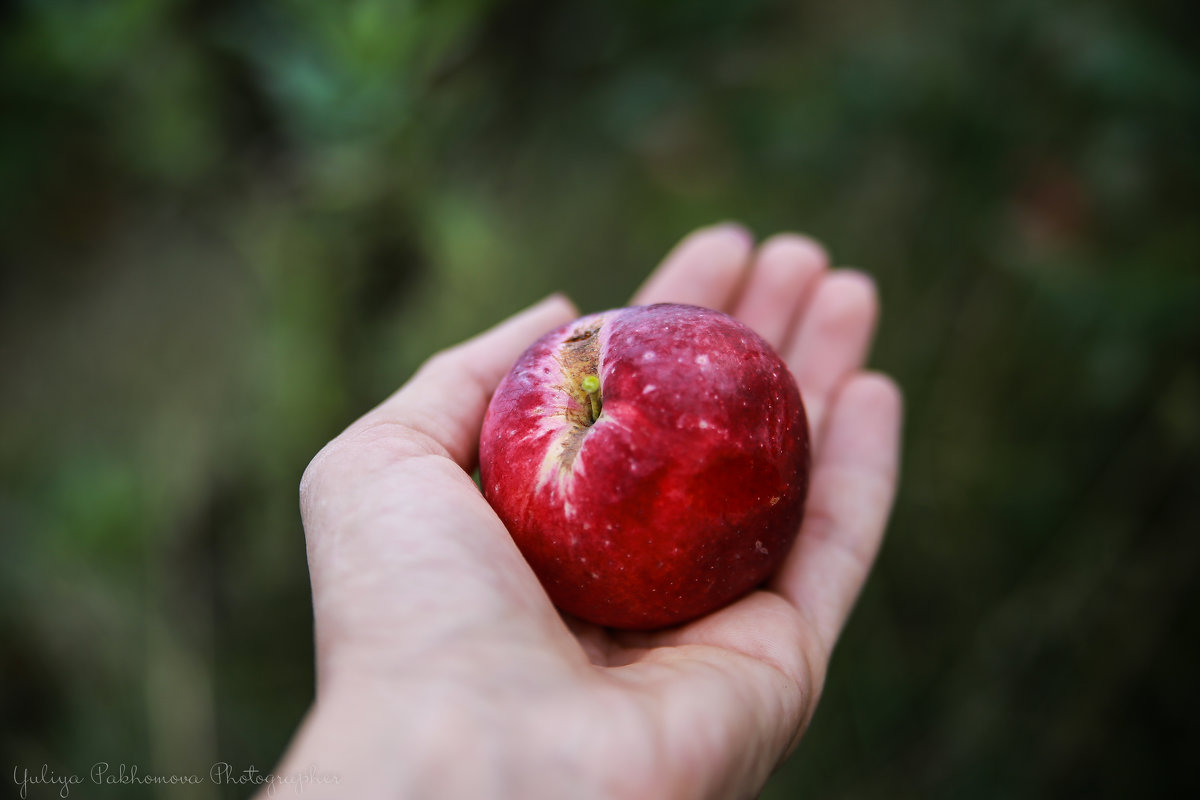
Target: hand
444, 671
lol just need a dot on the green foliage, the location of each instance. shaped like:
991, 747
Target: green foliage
228, 228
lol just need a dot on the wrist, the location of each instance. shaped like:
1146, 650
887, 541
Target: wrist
447, 738
375, 744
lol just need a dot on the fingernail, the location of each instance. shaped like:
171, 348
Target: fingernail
555, 298
732, 228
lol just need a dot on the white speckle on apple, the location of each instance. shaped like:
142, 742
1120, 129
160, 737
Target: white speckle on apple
650, 387
702, 359
704, 425
649, 355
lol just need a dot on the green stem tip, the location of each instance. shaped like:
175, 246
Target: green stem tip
591, 386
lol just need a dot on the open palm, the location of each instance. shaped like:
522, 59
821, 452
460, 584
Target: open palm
443, 669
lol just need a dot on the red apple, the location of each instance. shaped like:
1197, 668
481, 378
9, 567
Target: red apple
651, 463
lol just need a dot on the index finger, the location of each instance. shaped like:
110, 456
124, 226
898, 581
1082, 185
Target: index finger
705, 269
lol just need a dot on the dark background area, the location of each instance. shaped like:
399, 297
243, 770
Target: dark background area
228, 228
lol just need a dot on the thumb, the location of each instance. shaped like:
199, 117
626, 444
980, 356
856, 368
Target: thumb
444, 403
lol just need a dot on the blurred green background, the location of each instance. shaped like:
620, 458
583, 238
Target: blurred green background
228, 228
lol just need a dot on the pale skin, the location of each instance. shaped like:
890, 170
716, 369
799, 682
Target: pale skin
443, 671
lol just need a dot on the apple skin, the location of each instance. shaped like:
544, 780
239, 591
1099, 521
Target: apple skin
685, 492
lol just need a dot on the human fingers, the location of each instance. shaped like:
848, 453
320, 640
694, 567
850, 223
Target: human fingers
850, 497
779, 285
832, 339
705, 269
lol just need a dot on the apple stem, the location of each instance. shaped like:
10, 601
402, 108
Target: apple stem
591, 386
